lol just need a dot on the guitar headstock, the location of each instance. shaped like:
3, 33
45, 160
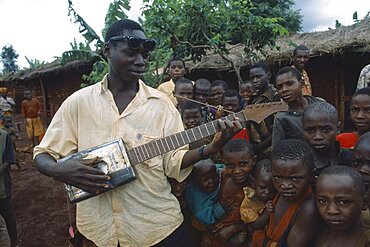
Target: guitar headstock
258, 112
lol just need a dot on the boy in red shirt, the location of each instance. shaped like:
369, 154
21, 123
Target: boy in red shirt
31, 111
360, 115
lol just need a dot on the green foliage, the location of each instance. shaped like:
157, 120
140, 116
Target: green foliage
292, 44
367, 16
79, 46
9, 59
100, 69
116, 12
73, 55
82, 51
158, 62
191, 28
337, 24
355, 17
87, 32
289, 18
34, 63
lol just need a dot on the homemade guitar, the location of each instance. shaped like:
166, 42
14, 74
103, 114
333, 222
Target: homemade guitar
117, 161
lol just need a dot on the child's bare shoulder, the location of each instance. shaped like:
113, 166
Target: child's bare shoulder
308, 210
308, 206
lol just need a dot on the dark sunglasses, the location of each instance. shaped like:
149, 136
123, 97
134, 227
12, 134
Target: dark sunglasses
134, 42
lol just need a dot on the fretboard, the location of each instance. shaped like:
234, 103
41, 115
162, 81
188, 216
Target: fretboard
171, 142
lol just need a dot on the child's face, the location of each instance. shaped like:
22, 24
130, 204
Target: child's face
288, 87
184, 90
246, 90
202, 93
191, 118
231, 104
259, 78
319, 131
361, 161
300, 59
263, 186
28, 95
360, 112
216, 94
290, 178
338, 201
176, 70
239, 166
207, 178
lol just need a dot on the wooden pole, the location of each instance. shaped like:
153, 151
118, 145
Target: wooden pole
44, 96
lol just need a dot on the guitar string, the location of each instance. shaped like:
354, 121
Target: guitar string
194, 135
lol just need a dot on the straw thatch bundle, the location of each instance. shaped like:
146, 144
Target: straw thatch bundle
47, 70
335, 41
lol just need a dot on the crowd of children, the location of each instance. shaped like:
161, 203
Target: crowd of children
291, 180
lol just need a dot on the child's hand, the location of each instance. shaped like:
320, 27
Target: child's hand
228, 129
219, 112
270, 207
223, 234
227, 206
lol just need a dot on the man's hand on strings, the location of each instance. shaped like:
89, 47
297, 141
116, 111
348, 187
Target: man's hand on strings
228, 130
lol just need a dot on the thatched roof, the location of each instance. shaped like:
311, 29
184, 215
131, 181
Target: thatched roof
47, 70
335, 41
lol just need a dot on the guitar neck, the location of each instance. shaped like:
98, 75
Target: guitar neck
166, 144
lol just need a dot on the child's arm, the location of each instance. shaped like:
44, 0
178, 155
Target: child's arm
260, 223
270, 208
38, 107
300, 234
225, 233
8, 155
204, 208
211, 214
259, 147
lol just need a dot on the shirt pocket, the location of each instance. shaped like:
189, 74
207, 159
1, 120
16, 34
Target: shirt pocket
152, 163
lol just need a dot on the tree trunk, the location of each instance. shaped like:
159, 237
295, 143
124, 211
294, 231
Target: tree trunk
236, 68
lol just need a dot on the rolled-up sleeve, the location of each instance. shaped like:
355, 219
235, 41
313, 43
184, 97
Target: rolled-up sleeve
173, 159
61, 136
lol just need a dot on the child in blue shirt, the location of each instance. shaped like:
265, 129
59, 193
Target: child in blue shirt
202, 193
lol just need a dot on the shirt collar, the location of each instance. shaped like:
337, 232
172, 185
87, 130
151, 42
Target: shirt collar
143, 93
320, 165
269, 92
104, 84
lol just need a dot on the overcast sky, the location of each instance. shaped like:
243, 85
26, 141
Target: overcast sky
319, 15
41, 29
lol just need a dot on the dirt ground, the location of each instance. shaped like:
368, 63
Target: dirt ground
39, 202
